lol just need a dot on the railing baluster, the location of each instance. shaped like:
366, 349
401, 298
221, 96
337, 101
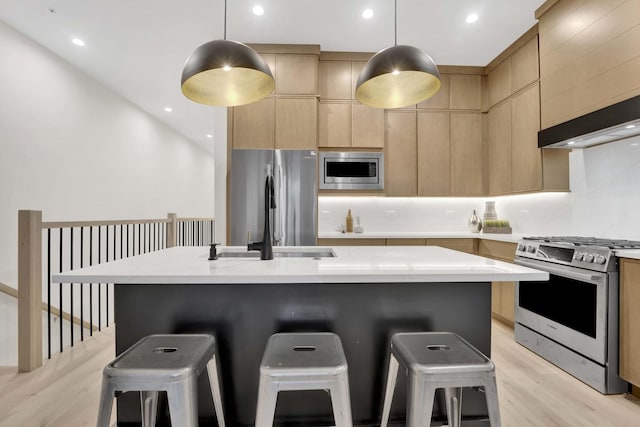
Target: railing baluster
127, 240
121, 244
139, 239
48, 293
71, 284
81, 285
99, 284
90, 284
61, 318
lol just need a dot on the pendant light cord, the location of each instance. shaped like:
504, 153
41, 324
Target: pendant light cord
225, 19
395, 30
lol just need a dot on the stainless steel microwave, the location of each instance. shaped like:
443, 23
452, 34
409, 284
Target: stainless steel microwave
351, 170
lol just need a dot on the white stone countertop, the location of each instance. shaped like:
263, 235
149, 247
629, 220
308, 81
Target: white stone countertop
352, 264
513, 238
627, 253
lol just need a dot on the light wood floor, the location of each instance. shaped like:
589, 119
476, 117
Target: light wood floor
65, 391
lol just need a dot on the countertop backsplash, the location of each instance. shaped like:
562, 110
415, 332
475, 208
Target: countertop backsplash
604, 202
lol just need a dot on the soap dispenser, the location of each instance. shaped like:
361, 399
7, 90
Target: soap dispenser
349, 222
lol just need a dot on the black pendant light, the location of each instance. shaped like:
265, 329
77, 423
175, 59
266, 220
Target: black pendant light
397, 76
226, 73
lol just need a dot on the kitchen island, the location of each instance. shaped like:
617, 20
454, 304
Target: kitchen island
364, 294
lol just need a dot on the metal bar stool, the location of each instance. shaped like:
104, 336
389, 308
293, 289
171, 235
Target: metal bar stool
168, 363
304, 361
439, 360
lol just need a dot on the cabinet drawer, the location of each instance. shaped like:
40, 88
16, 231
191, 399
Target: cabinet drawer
351, 242
406, 242
462, 245
504, 251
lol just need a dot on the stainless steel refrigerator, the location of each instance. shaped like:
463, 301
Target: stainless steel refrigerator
294, 219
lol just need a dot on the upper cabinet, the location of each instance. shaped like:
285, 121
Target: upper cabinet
297, 74
589, 57
401, 165
288, 117
342, 121
515, 163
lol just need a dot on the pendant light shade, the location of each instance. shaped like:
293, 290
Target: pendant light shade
227, 73
396, 77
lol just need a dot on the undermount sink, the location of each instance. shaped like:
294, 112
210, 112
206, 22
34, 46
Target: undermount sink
284, 253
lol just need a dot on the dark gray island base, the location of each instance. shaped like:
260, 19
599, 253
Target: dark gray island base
243, 316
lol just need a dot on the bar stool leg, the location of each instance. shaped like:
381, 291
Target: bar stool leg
149, 407
491, 394
340, 401
420, 397
183, 403
106, 404
388, 394
453, 397
267, 398
214, 382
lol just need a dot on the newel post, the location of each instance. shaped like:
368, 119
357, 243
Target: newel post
29, 290
172, 229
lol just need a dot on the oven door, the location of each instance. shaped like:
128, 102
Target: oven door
571, 308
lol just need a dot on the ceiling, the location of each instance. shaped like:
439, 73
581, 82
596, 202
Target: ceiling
138, 48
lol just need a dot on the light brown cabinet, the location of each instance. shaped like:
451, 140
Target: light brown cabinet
462, 245
350, 124
499, 149
351, 241
499, 82
297, 74
526, 157
465, 92
367, 127
406, 242
466, 155
254, 124
296, 123
630, 321
439, 101
434, 156
525, 66
502, 293
344, 122
334, 124
401, 165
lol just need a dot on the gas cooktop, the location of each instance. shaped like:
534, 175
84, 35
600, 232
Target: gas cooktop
587, 241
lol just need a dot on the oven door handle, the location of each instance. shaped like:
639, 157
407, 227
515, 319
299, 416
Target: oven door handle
583, 277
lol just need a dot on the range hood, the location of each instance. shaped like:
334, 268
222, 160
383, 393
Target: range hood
612, 123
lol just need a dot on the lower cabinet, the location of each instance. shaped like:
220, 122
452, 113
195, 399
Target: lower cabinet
352, 242
502, 293
462, 245
630, 321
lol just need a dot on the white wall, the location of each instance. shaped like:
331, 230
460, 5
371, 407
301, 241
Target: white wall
604, 202
75, 150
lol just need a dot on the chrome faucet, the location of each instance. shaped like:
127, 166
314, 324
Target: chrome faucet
266, 246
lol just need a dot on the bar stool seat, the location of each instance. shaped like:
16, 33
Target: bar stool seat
303, 361
168, 363
439, 360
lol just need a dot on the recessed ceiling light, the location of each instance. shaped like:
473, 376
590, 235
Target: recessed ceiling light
630, 126
258, 10
78, 42
634, 144
472, 18
367, 14
571, 142
168, 109
209, 136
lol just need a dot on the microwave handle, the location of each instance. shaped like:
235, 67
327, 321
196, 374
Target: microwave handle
583, 277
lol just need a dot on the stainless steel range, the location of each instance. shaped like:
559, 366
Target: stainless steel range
572, 320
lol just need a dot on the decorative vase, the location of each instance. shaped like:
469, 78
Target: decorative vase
475, 224
358, 228
489, 211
